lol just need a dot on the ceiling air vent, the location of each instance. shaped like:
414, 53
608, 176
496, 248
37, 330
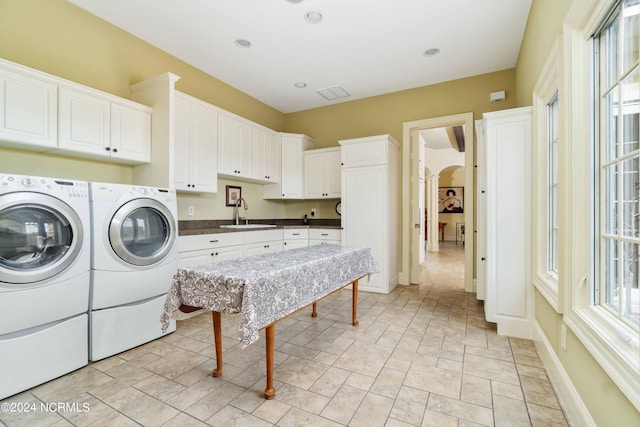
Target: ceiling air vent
334, 92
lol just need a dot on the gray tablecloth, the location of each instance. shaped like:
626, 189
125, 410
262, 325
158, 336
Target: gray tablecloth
265, 288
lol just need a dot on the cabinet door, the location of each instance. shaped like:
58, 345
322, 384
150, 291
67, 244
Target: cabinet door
259, 154
28, 112
193, 258
295, 243
204, 172
364, 211
195, 153
84, 123
273, 157
182, 141
242, 152
130, 133
314, 175
254, 249
333, 174
229, 252
234, 147
291, 174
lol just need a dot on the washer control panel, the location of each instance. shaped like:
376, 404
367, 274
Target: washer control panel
51, 186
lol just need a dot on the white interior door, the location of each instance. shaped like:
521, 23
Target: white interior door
417, 207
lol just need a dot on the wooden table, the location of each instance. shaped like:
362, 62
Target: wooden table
264, 289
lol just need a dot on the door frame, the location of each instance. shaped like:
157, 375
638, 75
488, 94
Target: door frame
465, 119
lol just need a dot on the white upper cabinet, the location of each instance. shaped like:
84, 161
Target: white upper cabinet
130, 132
84, 123
291, 174
195, 152
28, 110
42, 112
265, 155
322, 175
235, 142
98, 126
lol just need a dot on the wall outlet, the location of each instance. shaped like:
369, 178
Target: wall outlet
192, 210
313, 212
563, 337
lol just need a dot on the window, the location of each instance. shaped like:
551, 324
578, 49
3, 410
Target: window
618, 163
553, 139
547, 221
599, 176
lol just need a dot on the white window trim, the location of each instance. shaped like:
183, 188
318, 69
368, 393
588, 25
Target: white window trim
606, 338
544, 91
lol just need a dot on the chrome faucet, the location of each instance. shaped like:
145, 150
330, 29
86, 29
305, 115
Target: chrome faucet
237, 213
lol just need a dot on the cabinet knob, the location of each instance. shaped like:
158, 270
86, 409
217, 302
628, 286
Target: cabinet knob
107, 148
482, 259
115, 150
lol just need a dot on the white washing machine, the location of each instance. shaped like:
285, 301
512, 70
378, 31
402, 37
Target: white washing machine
44, 279
133, 260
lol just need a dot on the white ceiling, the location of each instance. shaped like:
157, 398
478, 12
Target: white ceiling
369, 47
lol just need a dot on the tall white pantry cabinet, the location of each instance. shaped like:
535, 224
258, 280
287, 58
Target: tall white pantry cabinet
504, 220
370, 204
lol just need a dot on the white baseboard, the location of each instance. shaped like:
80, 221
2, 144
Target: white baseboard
574, 408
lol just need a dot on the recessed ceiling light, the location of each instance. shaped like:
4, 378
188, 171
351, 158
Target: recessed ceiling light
432, 52
243, 43
313, 17
300, 85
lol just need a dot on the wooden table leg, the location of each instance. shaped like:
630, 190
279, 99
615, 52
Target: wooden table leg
354, 304
270, 332
217, 336
314, 313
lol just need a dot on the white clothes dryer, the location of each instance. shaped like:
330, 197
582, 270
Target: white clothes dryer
44, 279
133, 260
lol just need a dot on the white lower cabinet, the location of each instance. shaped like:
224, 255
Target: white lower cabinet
295, 238
208, 248
262, 242
324, 236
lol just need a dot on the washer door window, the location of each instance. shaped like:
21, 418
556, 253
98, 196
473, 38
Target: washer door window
40, 236
142, 232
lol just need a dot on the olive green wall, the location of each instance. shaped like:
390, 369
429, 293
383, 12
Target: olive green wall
544, 25
604, 400
385, 114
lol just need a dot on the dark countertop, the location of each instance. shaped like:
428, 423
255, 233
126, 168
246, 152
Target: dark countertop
195, 227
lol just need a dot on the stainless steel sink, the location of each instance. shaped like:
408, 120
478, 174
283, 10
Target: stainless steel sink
245, 226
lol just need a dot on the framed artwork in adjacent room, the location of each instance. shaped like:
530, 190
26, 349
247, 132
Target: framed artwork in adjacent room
233, 195
451, 199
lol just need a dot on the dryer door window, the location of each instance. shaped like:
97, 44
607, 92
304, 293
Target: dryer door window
142, 232
40, 236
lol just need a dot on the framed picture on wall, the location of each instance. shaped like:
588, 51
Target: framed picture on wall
451, 199
233, 195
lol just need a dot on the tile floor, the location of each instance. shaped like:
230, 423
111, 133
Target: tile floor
422, 356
